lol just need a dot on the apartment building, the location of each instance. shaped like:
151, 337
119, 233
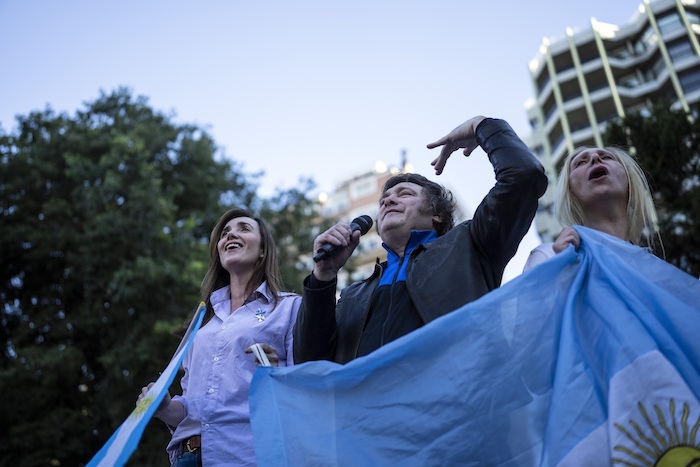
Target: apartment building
592, 76
354, 196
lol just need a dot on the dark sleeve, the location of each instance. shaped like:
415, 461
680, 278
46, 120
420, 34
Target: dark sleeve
315, 329
505, 214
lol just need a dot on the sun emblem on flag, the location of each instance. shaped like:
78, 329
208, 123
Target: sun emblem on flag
142, 406
662, 443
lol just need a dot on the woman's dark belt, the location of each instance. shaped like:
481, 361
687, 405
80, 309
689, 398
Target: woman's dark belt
192, 443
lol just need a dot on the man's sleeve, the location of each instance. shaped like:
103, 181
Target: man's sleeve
505, 214
315, 329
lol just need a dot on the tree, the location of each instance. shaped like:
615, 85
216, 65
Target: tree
667, 143
105, 219
293, 218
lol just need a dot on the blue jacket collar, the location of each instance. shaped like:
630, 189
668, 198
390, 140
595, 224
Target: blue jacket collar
418, 237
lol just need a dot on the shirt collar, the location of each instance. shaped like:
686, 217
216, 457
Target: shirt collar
224, 293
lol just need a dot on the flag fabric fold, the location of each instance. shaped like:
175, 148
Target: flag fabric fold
124, 441
591, 358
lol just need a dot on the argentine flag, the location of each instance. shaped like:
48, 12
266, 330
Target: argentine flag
124, 441
590, 359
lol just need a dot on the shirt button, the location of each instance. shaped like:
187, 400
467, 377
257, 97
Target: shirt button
223, 326
206, 426
216, 359
211, 390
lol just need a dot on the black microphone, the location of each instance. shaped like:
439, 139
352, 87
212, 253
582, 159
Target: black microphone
362, 223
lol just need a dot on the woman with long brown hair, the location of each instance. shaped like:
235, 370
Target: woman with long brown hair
246, 305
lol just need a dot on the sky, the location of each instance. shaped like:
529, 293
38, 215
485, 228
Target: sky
319, 89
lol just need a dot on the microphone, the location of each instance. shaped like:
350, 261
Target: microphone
362, 223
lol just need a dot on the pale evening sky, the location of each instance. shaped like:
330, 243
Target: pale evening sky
298, 88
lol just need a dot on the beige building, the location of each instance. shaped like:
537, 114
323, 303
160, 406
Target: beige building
355, 196
591, 76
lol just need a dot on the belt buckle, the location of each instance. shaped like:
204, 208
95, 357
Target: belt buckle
189, 448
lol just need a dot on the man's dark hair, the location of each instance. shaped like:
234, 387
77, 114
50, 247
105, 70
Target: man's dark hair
438, 200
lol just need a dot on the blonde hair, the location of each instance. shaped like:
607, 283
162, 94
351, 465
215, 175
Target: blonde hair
642, 221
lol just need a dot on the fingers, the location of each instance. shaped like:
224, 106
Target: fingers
266, 348
439, 162
144, 391
269, 353
450, 144
450, 139
338, 235
344, 241
469, 149
440, 142
568, 236
464, 136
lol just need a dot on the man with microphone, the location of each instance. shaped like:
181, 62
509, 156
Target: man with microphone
432, 267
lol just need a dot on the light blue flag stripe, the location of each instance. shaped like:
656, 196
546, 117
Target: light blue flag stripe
562, 366
124, 441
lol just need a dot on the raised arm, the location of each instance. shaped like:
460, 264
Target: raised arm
504, 216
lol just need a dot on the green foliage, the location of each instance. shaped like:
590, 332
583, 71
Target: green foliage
667, 144
104, 226
292, 218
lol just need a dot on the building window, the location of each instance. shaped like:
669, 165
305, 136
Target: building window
620, 53
574, 127
610, 115
660, 67
362, 188
593, 87
337, 204
630, 81
669, 23
680, 51
542, 81
570, 90
649, 38
559, 139
586, 56
549, 112
563, 62
690, 81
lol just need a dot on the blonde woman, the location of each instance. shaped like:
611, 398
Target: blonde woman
603, 189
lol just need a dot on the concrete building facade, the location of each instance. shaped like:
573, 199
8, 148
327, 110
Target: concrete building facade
358, 195
592, 76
